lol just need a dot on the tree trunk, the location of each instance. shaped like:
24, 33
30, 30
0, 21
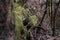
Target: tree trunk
43, 9
5, 20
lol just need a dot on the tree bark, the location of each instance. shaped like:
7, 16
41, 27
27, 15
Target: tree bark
43, 9
5, 20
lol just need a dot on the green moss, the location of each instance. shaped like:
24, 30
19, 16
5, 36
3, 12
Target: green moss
20, 14
33, 19
18, 10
